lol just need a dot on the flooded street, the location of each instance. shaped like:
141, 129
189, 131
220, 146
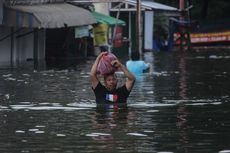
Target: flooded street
183, 107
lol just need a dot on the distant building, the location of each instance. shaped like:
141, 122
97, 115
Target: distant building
32, 30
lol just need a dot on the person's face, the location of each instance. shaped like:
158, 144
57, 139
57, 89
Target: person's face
110, 82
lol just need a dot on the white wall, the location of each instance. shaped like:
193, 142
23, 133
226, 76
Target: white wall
148, 33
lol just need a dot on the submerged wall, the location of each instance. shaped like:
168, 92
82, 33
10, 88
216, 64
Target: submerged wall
18, 47
5, 47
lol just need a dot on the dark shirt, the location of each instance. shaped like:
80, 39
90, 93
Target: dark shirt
119, 95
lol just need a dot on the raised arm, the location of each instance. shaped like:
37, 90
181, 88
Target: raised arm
130, 77
93, 72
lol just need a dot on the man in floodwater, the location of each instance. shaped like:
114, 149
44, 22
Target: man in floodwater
109, 92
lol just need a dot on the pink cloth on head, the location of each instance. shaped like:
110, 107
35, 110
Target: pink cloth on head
105, 66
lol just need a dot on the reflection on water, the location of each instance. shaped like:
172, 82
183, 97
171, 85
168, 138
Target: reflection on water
183, 106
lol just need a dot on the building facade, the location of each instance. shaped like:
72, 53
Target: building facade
25, 24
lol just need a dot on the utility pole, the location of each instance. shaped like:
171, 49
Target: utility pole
1, 12
138, 34
185, 42
182, 8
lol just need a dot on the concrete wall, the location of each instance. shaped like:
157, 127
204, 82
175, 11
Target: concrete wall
24, 46
41, 44
18, 49
30, 45
5, 47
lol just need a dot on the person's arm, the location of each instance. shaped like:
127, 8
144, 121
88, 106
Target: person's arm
93, 72
131, 78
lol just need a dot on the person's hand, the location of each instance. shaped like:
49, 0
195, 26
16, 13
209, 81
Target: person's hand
116, 63
101, 55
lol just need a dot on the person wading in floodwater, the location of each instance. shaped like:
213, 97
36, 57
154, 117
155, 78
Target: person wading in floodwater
109, 92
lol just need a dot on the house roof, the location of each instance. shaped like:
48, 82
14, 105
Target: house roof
47, 16
130, 5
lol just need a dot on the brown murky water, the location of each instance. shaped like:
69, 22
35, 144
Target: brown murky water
183, 107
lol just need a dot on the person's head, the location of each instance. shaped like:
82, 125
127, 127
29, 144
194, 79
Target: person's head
135, 56
110, 81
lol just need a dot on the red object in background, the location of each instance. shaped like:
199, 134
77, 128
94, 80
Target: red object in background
118, 39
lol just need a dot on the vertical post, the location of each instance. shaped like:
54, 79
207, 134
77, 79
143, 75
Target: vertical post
148, 30
1, 12
184, 30
35, 49
12, 48
139, 38
85, 46
130, 35
39, 49
182, 5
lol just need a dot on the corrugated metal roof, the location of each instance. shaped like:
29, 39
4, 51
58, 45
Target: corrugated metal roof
130, 5
158, 6
154, 5
48, 16
31, 2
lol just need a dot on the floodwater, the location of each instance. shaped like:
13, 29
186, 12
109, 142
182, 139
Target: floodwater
183, 107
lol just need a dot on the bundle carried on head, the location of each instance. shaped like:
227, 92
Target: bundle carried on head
104, 66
